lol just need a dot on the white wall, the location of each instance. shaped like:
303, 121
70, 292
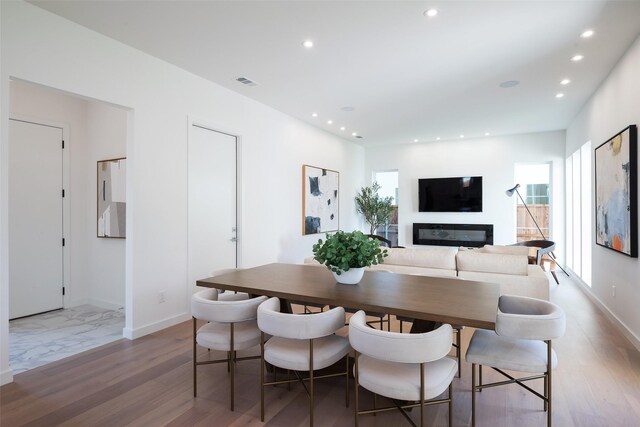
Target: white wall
104, 258
614, 106
493, 158
40, 47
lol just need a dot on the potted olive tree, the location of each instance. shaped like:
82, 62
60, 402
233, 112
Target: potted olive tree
346, 254
376, 210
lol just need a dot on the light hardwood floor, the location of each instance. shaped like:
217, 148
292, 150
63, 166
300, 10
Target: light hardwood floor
147, 382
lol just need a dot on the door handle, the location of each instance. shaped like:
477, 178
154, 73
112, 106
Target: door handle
234, 239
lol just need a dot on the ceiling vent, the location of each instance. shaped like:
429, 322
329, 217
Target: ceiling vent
359, 136
246, 81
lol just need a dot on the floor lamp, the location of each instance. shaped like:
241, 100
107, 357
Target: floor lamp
509, 193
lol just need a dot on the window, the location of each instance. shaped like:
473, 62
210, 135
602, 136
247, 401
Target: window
535, 190
578, 199
388, 181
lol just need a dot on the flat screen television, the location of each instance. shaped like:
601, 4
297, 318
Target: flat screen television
461, 194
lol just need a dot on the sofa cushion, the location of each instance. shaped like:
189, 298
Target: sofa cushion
506, 250
433, 257
417, 271
492, 263
533, 285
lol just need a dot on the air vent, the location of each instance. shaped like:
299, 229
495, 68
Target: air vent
246, 81
359, 136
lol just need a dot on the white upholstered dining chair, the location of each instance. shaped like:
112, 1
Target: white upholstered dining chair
411, 367
301, 342
457, 344
231, 327
521, 342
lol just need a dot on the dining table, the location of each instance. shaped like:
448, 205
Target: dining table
429, 300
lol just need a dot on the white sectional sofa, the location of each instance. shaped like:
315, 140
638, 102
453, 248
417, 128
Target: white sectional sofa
505, 265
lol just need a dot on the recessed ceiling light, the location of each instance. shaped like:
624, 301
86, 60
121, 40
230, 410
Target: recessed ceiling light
576, 58
438, 138
354, 134
461, 136
342, 128
587, 34
565, 82
487, 134
308, 44
509, 83
415, 140
329, 122
314, 114
431, 12
559, 95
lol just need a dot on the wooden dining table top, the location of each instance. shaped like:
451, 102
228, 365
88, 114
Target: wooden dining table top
438, 299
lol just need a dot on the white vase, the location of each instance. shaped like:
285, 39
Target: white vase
350, 277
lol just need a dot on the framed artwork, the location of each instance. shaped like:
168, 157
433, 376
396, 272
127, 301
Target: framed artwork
617, 192
111, 221
320, 193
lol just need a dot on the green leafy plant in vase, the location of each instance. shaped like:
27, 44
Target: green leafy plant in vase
346, 254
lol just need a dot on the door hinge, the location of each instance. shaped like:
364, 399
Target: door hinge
63, 144
63, 291
63, 241
63, 192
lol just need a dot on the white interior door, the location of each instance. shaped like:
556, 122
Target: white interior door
35, 218
212, 202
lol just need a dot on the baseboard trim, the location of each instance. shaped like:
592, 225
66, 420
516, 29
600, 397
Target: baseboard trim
619, 324
6, 377
134, 333
107, 305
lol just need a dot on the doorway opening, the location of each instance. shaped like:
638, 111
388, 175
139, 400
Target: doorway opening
388, 181
535, 189
55, 142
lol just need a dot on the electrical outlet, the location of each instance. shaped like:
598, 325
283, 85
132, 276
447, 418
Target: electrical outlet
161, 297
613, 291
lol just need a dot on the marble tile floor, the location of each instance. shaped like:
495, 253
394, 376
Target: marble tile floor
44, 338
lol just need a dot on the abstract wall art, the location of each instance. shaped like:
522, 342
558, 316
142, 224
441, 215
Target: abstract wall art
112, 198
617, 192
320, 194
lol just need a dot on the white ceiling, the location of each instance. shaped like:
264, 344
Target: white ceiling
407, 76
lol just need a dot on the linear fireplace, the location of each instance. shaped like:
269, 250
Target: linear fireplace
469, 235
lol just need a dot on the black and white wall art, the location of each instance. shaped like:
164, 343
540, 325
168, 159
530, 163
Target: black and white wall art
112, 198
320, 193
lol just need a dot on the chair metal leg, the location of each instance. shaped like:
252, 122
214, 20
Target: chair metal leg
458, 351
473, 395
346, 394
480, 377
355, 376
262, 376
546, 391
421, 394
311, 382
401, 326
195, 382
450, 403
375, 403
549, 366
232, 354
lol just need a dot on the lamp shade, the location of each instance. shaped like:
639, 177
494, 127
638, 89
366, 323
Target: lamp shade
510, 191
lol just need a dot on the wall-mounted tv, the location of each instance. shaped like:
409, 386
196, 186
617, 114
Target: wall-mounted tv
461, 194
